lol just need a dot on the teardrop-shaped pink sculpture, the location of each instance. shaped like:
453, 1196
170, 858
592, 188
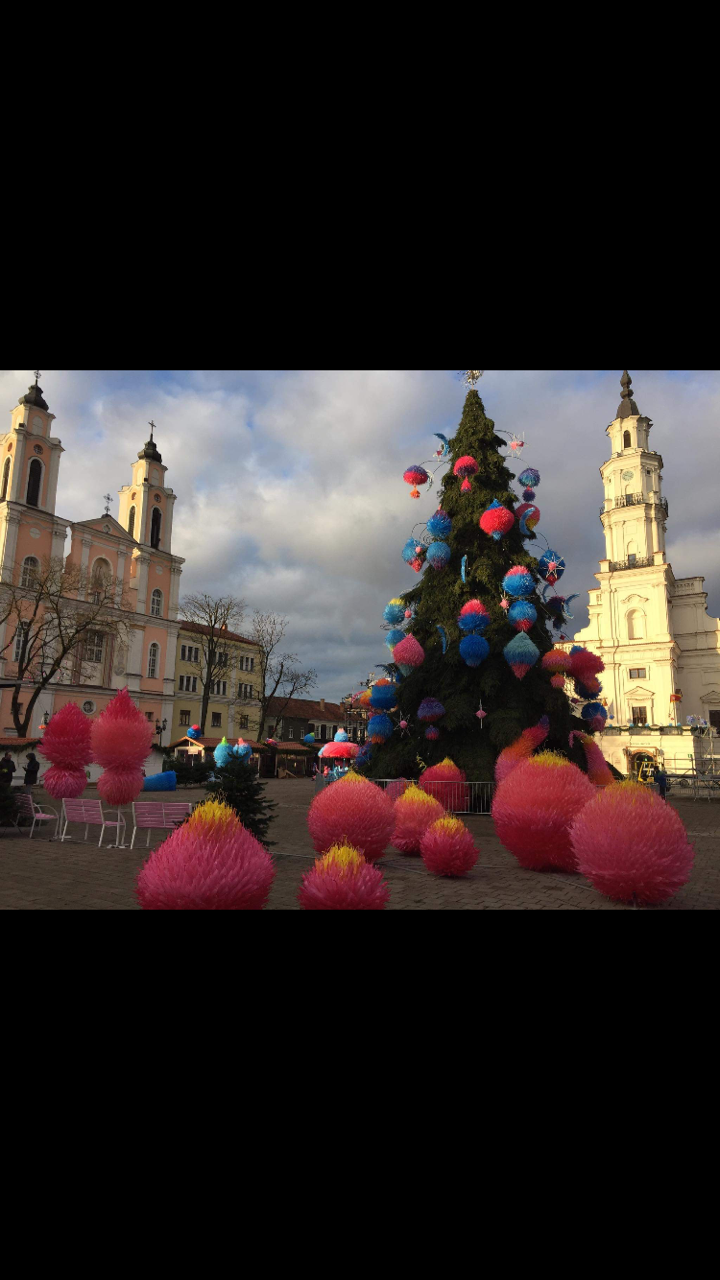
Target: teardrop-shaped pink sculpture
409, 653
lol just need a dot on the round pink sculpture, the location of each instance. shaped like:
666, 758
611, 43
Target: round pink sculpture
66, 742
413, 813
446, 782
121, 742
352, 811
409, 653
343, 881
631, 845
534, 808
211, 863
448, 848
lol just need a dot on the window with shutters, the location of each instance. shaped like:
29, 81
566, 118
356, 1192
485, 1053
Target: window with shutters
185, 717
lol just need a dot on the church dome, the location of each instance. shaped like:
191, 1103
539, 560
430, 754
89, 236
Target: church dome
34, 397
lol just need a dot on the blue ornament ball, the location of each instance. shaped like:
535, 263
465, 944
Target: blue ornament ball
379, 728
438, 554
474, 650
530, 478
593, 709
477, 622
242, 750
439, 525
394, 613
519, 584
522, 615
309, 739
394, 637
383, 697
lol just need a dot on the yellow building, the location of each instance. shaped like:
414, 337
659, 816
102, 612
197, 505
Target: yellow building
234, 706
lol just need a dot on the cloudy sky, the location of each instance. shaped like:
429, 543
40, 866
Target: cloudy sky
290, 490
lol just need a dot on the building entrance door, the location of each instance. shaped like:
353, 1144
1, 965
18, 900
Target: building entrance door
643, 764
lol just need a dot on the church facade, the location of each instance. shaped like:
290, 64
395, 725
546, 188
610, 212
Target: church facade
135, 551
660, 647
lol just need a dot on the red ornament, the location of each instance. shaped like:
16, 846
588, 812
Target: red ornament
466, 467
496, 521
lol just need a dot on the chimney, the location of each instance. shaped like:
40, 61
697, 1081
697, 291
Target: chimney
322, 705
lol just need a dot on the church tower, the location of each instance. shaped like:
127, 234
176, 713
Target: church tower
652, 630
29, 470
634, 512
146, 505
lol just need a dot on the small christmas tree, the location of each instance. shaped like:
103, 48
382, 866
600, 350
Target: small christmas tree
8, 806
237, 784
510, 704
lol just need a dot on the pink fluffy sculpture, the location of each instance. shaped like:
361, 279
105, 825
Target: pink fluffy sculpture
352, 811
343, 881
447, 848
521, 749
598, 768
446, 782
409, 653
631, 845
211, 863
534, 808
583, 665
413, 813
557, 663
66, 742
121, 742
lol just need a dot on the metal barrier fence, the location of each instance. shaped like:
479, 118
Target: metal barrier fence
456, 797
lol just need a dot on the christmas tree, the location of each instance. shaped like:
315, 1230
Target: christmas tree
510, 704
236, 783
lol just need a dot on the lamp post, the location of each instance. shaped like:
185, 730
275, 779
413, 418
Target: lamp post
160, 728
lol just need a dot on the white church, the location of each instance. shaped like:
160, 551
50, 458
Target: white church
660, 647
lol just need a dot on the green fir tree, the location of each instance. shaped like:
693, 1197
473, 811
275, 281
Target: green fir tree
511, 704
238, 785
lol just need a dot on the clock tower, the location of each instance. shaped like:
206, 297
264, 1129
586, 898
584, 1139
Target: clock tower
634, 512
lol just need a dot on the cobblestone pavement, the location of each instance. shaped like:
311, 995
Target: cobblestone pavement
44, 875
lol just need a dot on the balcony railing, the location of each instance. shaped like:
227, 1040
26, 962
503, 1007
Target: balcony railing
633, 500
637, 562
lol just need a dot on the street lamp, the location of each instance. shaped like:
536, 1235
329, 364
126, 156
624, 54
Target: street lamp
160, 728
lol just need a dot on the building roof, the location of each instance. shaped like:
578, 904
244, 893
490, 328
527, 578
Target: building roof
305, 709
200, 628
627, 406
34, 396
18, 744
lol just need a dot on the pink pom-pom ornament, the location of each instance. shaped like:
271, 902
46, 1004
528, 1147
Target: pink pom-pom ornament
67, 743
466, 467
447, 848
415, 475
631, 845
121, 742
409, 653
446, 782
211, 863
413, 813
496, 521
352, 810
342, 880
534, 808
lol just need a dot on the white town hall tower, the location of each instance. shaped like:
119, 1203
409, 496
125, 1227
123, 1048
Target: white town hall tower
651, 629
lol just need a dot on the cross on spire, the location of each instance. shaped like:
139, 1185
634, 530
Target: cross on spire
152, 428
38, 375
108, 500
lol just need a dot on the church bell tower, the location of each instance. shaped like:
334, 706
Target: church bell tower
634, 512
146, 505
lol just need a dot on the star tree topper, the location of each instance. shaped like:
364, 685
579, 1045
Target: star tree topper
471, 376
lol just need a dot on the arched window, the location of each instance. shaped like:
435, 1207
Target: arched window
131, 522
636, 624
155, 528
153, 659
29, 571
33, 486
5, 480
156, 603
626, 441
101, 574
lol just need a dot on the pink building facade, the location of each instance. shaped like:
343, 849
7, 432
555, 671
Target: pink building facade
136, 549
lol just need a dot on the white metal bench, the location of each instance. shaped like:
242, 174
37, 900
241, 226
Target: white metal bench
27, 808
157, 816
90, 812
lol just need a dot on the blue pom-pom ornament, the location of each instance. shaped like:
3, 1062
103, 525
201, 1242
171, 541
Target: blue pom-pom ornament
394, 613
439, 525
518, 584
379, 728
438, 554
474, 650
522, 615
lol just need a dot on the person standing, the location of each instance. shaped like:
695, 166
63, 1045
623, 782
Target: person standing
662, 780
7, 769
31, 770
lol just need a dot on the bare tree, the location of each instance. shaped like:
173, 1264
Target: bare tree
215, 616
59, 626
280, 673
